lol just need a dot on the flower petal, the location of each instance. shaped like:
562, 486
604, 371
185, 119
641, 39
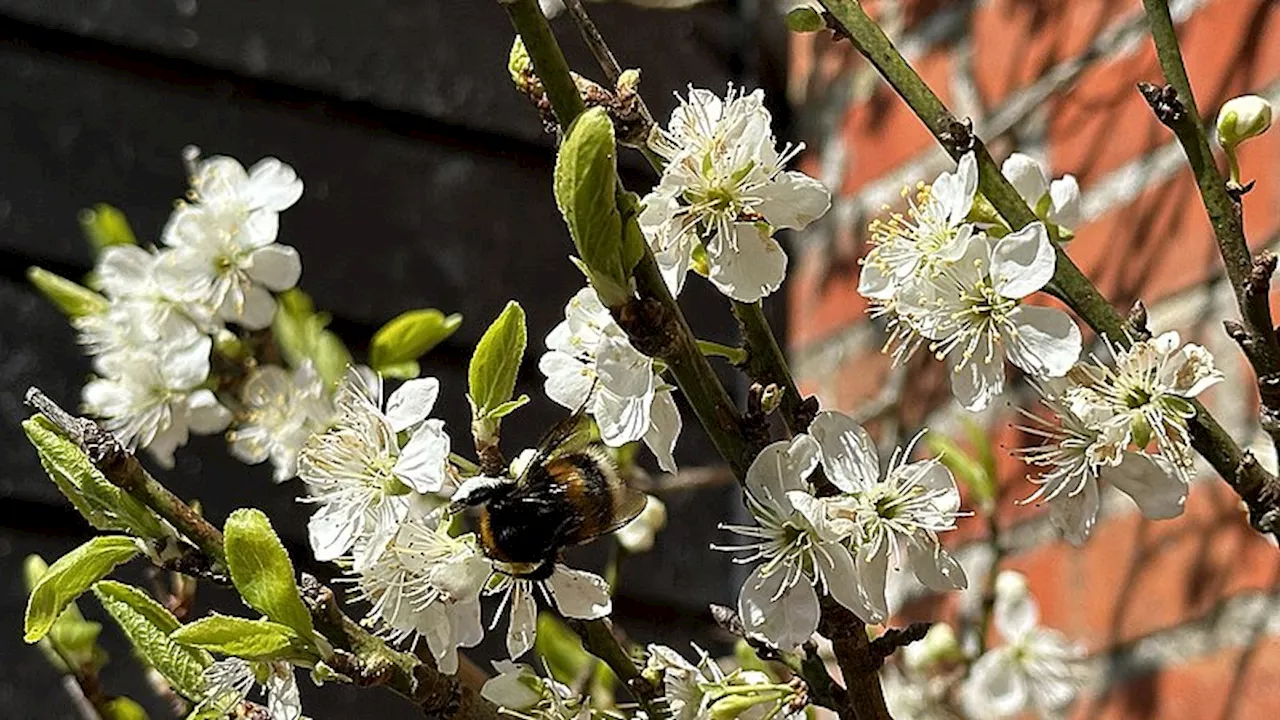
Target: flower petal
272, 185
664, 430
424, 459
934, 566
1022, 262
524, 620
1044, 341
755, 269
258, 310
781, 467
579, 594
283, 700
997, 686
1159, 493
838, 568
1064, 208
205, 415
1027, 177
412, 402
849, 454
793, 200
873, 573
1075, 515
787, 618
976, 383
276, 266
332, 530
569, 380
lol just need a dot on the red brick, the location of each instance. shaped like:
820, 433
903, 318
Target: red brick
1232, 47
881, 133
1234, 684
1015, 41
822, 297
1135, 577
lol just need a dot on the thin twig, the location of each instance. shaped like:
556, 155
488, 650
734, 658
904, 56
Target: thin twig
360, 654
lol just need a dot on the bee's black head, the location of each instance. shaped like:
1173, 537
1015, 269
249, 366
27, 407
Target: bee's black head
480, 490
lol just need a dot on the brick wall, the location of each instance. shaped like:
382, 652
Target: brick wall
1180, 616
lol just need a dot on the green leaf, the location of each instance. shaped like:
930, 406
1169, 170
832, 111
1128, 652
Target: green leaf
104, 505
301, 335
122, 708
72, 298
248, 639
496, 361
968, 470
69, 577
401, 371
560, 648
261, 571
509, 407
148, 626
409, 336
586, 184
633, 241
104, 226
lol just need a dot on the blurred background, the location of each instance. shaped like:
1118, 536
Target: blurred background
428, 185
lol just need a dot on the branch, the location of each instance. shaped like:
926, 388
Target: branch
1259, 489
358, 654
599, 640
1175, 106
861, 669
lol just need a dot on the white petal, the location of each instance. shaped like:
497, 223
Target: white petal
277, 267
272, 185
1023, 262
622, 369
379, 530
934, 566
955, 191
755, 270
1064, 208
1160, 495
524, 621
186, 366
781, 467
579, 594
283, 700
124, 270
621, 419
793, 200
412, 402
873, 573
1015, 614
788, 620
664, 429
848, 453
568, 381
874, 282
205, 415
842, 580
1000, 684
165, 441
1027, 177
332, 530
258, 311
423, 460
978, 382
1075, 515
1044, 341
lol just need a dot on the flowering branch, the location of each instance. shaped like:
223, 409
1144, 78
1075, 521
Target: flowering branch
1250, 276
358, 654
1259, 489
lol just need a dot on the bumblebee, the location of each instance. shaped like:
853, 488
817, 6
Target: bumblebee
565, 496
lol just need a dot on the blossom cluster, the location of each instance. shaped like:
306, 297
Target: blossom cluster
945, 277
844, 544
1035, 669
1123, 423
724, 193
172, 311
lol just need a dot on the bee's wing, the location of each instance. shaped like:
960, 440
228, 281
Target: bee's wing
624, 503
627, 504
552, 441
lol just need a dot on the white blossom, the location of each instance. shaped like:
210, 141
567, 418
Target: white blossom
1146, 394
638, 535
893, 517
229, 682
724, 189
516, 687
591, 364
1036, 668
358, 473
974, 315
693, 690
1057, 202
427, 584
795, 548
909, 697
157, 399
223, 250
279, 411
574, 593
933, 233
1076, 458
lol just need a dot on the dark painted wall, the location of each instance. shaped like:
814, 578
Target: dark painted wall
427, 184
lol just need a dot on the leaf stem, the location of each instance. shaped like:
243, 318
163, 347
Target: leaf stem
735, 355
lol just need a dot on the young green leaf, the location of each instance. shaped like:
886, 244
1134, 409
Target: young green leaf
968, 470
104, 505
409, 336
585, 185
248, 639
509, 407
301, 335
104, 226
261, 571
72, 298
148, 626
496, 360
69, 577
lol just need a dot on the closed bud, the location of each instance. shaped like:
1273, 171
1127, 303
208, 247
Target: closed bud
1242, 118
105, 226
73, 299
939, 645
520, 66
805, 20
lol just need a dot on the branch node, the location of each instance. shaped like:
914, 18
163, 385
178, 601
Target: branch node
1137, 321
1237, 192
893, 638
957, 135
1164, 102
648, 322
1260, 271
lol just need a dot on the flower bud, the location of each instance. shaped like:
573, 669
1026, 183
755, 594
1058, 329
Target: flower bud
73, 299
1242, 118
805, 20
1011, 584
520, 65
105, 226
938, 645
